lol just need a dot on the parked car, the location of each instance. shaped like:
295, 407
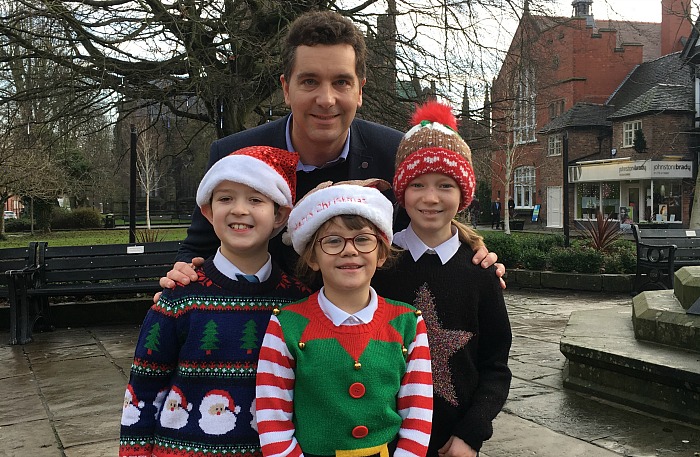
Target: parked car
9, 215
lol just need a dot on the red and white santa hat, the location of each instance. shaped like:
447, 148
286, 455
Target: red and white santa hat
221, 396
270, 171
327, 200
433, 145
131, 396
182, 401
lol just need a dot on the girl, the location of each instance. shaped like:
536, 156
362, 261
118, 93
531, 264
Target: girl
344, 372
462, 304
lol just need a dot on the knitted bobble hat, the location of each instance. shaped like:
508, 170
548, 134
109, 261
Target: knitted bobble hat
270, 171
327, 200
432, 145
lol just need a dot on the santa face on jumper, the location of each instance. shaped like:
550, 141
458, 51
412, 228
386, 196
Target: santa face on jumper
176, 410
132, 407
218, 413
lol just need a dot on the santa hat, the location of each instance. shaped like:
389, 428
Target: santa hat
131, 396
432, 145
270, 171
327, 200
223, 397
181, 398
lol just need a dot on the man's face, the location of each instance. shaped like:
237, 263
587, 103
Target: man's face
324, 93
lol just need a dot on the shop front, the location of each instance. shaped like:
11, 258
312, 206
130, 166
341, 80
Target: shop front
630, 191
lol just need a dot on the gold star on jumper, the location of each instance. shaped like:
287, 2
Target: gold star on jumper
443, 344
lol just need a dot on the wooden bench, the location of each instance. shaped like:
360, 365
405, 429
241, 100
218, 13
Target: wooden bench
662, 251
80, 271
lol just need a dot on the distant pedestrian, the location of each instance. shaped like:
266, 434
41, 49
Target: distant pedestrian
474, 210
496, 213
511, 207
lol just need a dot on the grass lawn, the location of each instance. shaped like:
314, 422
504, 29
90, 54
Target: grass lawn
87, 237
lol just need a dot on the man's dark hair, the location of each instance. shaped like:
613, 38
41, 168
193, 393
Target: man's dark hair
324, 28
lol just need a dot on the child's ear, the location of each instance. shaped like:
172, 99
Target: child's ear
381, 260
313, 264
281, 216
206, 212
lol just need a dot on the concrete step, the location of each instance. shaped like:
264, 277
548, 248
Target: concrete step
605, 360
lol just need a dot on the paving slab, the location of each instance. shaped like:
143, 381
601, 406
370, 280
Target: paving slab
20, 402
96, 427
102, 449
29, 439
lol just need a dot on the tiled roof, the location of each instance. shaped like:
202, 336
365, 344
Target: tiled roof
668, 70
663, 97
581, 115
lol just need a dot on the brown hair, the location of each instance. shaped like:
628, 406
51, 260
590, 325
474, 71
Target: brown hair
350, 222
324, 28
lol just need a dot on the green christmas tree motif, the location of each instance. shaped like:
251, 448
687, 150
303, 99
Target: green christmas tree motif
209, 339
250, 336
153, 339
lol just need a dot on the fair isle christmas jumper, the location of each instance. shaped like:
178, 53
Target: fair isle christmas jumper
192, 386
323, 388
469, 335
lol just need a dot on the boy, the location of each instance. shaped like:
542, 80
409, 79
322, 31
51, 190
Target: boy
192, 384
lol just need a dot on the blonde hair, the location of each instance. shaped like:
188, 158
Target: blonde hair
468, 235
350, 222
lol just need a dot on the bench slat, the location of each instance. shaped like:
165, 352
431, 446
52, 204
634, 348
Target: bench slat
108, 262
144, 272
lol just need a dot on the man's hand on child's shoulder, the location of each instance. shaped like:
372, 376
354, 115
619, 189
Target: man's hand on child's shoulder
182, 273
486, 259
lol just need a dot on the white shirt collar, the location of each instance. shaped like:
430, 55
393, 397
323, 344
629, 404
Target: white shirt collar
340, 317
407, 239
230, 270
303, 167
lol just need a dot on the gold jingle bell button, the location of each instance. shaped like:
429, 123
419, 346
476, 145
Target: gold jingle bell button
360, 431
357, 390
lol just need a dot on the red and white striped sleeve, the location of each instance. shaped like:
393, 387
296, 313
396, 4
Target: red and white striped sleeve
275, 395
415, 399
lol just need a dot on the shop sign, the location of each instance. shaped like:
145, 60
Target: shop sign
640, 169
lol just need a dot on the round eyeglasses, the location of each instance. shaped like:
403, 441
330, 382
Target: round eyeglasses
335, 244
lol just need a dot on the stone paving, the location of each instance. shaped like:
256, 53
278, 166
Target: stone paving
62, 394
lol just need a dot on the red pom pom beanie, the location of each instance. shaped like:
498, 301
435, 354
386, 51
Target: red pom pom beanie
433, 146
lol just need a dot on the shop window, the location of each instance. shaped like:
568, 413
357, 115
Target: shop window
666, 206
592, 198
524, 187
554, 146
628, 129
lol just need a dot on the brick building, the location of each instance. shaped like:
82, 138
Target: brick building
572, 89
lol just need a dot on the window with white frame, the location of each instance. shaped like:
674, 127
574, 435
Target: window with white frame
554, 145
524, 122
524, 187
628, 129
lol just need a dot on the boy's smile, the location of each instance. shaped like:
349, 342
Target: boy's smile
243, 220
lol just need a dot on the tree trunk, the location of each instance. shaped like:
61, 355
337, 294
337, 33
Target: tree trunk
695, 214
148, 210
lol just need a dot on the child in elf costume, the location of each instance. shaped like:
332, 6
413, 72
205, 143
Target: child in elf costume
345, 372
462, 304
192, 386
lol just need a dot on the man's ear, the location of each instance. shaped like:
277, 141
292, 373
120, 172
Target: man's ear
206, 212
359, 100
281, 216
285, 89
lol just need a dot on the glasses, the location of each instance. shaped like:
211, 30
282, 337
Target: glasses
334, 244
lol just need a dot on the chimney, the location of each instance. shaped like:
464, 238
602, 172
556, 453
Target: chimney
582, 9
675, 25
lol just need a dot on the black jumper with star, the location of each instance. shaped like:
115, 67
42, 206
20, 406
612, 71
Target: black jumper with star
469, 336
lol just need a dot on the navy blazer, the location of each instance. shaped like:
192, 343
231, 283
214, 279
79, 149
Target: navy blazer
371, 155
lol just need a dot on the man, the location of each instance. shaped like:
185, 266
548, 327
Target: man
496, 213
324, 67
